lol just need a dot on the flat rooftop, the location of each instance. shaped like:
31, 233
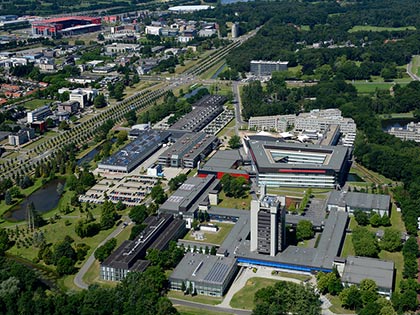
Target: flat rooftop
297, 155
357, 269
136, 151
359, 200
204, 268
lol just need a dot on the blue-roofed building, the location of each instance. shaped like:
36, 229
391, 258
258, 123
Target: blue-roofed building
134, 153
204, 274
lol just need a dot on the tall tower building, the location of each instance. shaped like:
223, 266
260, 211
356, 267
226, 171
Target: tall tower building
235, 30
268, 233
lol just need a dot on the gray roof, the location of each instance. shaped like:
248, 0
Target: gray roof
223, 159
190, 193
204, 268
359, 200
336, 155
360, 268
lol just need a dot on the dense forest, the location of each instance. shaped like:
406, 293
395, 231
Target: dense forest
21, 292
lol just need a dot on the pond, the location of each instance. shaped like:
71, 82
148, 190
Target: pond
91, 155
45, 199
352, 177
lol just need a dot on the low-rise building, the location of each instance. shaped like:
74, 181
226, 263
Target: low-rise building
69, 107
204, 274
21, 137
352, 201
266, 68
279, 123
39, 114
119, 48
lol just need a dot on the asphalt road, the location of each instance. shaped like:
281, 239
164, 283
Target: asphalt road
78, 280
207, 307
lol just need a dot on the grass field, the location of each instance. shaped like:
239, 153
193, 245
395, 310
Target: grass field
35, 103
369, 28
396, 115
197, 298
370, 87
293, 276
184, 310
244, 299
227, 202
211, 237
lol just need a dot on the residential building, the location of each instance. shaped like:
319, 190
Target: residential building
204, 274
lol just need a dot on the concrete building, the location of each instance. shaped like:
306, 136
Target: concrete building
134, 153
319, 120
187, 151
39, 114
69, 107
153, 30
235, 30
410, 132
357, 269
159, 231
268, 233
298, 165
352, 201
266, 68
68, 25
185, 200
21, 137
119, 48
204, 274
224, 162
279, 123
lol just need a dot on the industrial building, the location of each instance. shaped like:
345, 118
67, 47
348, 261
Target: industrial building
224, 162
159, 231
185, 200
204, 111
352, 201
266, 68
268, 232
69, 25
39, 114
204, 274
298, 165
187, 151
357, 269
134, 153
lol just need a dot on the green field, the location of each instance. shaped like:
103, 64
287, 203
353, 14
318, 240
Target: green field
213, 238
227, 202
336, 306
244, 299
369, 28
185, 310
203, 299
35, 103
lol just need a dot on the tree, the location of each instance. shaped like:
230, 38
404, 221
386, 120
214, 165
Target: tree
350, 298
287, 298
138, 213
391, 241
158, 194
375, 220
63, 125
361, 217
108, 215
368, 291
63, 249
365, 242
234, 142
304, 230
102, 252
122, 136
99, 101
4, 242
329, 282
65, 266
8, 198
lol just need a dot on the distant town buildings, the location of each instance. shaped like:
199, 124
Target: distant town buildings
266, 68
70, 25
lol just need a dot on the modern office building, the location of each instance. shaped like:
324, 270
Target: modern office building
159, 231
224, 162
66, 25
280, 164
21, 137
39, 114
134, 153
204, 274
279, 123
352, 201
69, 107
187, 151
185, 200
410, 132
266, 68
320, 119
268, 233
357, 269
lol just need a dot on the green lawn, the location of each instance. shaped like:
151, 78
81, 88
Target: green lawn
293, 276
213, 238
371, 87
185, 310
244, 298
398, 260
227, 202
396, 115
228, 130
348, 249
367, 28
35, 103
336, 305
197, 298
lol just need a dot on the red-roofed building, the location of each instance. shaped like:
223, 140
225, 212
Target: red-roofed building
50, 27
